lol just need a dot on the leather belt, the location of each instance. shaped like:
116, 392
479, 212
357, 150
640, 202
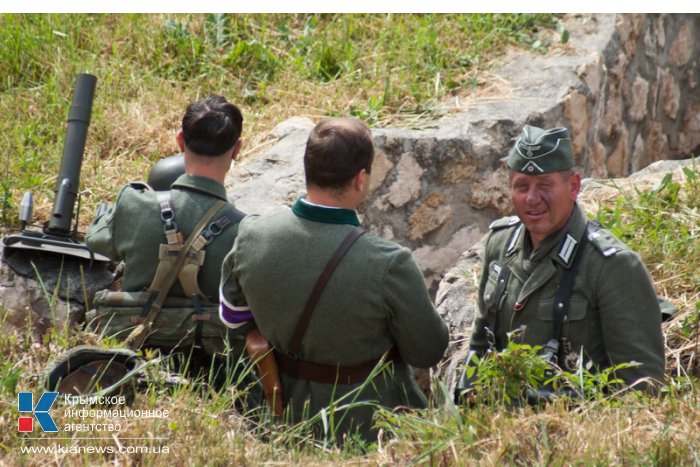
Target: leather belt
328, 374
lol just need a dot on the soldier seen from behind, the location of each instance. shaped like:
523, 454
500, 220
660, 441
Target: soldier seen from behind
563, 282
172, 243
374, 305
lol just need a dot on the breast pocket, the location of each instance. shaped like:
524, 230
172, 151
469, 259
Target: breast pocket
577, 322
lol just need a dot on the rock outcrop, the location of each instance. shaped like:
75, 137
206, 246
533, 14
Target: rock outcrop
46, 289
625, 85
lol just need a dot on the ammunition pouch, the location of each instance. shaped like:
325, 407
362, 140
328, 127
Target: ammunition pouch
546, 394
179, 325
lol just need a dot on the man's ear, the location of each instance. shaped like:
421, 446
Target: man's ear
575, 185
237, 149
360, 180
180, 141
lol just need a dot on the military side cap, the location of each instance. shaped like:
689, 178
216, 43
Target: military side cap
539, 151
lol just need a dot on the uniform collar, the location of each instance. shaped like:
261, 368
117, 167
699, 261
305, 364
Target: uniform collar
561, 246
570, 238
204, 185
324, 214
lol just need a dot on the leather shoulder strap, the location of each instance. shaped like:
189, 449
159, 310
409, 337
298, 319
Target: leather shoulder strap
312, 301
189, 272
229, 216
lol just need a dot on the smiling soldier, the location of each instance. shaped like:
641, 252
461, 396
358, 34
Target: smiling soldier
566, 283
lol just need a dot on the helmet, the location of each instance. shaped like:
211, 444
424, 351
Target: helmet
92, 370
165, 171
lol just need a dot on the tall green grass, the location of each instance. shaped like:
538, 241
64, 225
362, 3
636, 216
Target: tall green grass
385, 69
663, 225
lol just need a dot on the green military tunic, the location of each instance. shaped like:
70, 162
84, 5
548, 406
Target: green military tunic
132, 230
375, 299
614, 315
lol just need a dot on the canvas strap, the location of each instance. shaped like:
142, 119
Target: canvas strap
152, 307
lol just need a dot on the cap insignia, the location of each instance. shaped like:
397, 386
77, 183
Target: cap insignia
531, 167
529, 149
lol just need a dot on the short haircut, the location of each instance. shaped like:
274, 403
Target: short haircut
336, 151
211, 126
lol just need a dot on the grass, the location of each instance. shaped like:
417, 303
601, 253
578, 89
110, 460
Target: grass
386, 69
204, 427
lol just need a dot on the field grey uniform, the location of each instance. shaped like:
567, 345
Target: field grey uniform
132, 230
375, 299
614, 315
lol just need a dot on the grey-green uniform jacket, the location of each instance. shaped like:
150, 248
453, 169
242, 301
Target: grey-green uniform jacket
614, 314
375, 299
132, 230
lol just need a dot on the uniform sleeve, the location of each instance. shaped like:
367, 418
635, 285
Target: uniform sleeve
630, 317
478, 341
420, 333
100, 234
234, 311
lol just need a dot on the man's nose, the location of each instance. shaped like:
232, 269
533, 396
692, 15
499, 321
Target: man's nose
532, 196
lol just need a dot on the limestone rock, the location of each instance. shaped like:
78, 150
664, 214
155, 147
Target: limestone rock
407, 185
456, 302
430, 215
46, 289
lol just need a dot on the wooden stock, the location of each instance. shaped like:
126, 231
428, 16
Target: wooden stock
260, 352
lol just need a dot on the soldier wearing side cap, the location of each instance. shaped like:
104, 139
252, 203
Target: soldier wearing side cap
566, 283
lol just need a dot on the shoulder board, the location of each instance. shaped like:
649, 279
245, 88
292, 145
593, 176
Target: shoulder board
603, 240
140, 186
504, 222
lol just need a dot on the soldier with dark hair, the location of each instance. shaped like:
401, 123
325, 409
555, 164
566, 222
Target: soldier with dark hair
146, 229
374, 304
565, 282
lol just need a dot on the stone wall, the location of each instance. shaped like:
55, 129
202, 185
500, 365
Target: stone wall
639, 101
626, 86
